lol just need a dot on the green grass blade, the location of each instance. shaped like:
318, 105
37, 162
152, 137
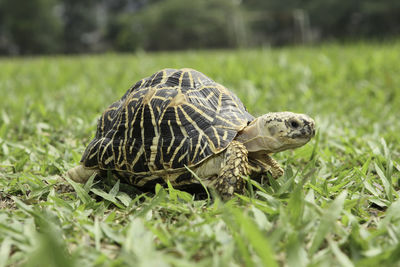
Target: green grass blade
341, 257
97, 233
328, 218
200, 181
386, 181
296, 254
107, 196
5, 250
80, 191
114, 191
255, 237
296, 205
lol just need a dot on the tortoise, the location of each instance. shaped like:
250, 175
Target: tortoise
181, 126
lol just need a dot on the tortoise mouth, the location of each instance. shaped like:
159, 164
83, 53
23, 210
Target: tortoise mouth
303, 136
307, 132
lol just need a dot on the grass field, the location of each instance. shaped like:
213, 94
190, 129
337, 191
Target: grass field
337, 205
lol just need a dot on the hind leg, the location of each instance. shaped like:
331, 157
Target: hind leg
235, 165
80, 174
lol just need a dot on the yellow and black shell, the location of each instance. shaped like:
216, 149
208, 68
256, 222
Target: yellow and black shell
172, 119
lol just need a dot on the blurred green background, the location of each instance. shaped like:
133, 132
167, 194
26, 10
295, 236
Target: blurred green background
92, 26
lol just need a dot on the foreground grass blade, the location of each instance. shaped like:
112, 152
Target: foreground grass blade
5, 249
82, 194
255, 238
328, 219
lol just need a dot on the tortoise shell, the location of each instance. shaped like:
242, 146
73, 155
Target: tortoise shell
172, 119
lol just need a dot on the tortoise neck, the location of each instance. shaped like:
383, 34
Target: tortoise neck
257, 138
250, 136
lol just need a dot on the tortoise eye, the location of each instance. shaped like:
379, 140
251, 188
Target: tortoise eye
294, 124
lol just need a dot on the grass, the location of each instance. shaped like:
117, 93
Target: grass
337, 204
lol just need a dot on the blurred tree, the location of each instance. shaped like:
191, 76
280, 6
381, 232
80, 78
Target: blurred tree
277, 22
75, 26
119, 27
377, 18
29, 27
333, 18
82, 31
272, 22
179, 24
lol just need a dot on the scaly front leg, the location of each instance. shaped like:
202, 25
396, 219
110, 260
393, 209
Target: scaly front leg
235, 166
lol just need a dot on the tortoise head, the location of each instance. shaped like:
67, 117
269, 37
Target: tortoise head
278, 131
